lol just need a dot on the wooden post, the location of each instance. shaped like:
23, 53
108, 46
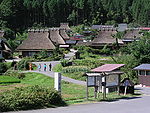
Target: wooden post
95, 92
87, 93
57, 84
104, 86
119, 84
95, 88
125, 90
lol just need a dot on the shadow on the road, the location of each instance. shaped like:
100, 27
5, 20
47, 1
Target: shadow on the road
122, 98
129, 98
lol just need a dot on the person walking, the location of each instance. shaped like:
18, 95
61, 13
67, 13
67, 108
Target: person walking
39, 67
30, 66
50, 66
45, 67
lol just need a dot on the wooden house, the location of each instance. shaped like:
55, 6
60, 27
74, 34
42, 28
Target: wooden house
37, 40
55, 36
143, 74
131, 35
43, 39
105, 37
65, 26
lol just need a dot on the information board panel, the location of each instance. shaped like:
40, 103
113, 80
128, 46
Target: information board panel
112, 80
91, 81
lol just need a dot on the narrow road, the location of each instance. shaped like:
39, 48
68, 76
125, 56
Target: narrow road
131, 105
51, 73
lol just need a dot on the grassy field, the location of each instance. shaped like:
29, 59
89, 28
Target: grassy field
8, 80
70, 91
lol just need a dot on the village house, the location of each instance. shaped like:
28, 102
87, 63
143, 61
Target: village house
65, 26
131, 35
143, 74
44, 39
37, 40
105, 37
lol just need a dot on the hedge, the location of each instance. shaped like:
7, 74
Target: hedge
33, 97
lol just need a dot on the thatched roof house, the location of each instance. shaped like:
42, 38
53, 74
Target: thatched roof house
131, 35
65, 26
55, 36
64, 34
37, 40
105, 37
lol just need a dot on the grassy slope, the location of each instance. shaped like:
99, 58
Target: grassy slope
70, 91
8, 79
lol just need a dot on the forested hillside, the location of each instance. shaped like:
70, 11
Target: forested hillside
21, 14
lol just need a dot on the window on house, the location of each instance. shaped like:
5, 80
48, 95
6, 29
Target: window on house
142, 72
147, 72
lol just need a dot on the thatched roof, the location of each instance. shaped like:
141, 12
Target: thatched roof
132, 34
1, 33
105, 37
55, 36
4, 45
65, 26
64, 34
102, 26
37, 40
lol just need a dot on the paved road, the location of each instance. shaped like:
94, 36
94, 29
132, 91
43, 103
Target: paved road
131, 105
51, 73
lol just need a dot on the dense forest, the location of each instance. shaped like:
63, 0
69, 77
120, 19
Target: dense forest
19, 15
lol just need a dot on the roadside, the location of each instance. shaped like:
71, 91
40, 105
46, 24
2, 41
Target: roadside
128, 105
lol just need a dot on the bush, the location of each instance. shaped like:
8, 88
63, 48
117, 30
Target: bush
73, 69
3, 68
14, 74
65, 63
32, 97
91, 63
24, 63
58, 68
8, 65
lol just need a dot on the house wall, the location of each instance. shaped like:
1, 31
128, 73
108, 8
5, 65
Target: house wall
31, 53
144, 77
144, 80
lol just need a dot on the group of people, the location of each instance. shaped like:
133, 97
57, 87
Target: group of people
45, 67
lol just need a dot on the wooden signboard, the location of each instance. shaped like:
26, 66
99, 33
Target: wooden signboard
112, 80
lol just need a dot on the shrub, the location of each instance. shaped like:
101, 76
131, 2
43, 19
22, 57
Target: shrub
91, 63
14, 74
8, 65
3, 68
24, 63
32, 97
65, 63
58, 68
73, 69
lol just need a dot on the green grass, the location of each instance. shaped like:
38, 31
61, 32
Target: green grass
75, 75
8, 79
70, 91
37, 79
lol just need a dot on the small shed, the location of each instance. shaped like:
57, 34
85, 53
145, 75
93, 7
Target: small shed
105, 77
143, 74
